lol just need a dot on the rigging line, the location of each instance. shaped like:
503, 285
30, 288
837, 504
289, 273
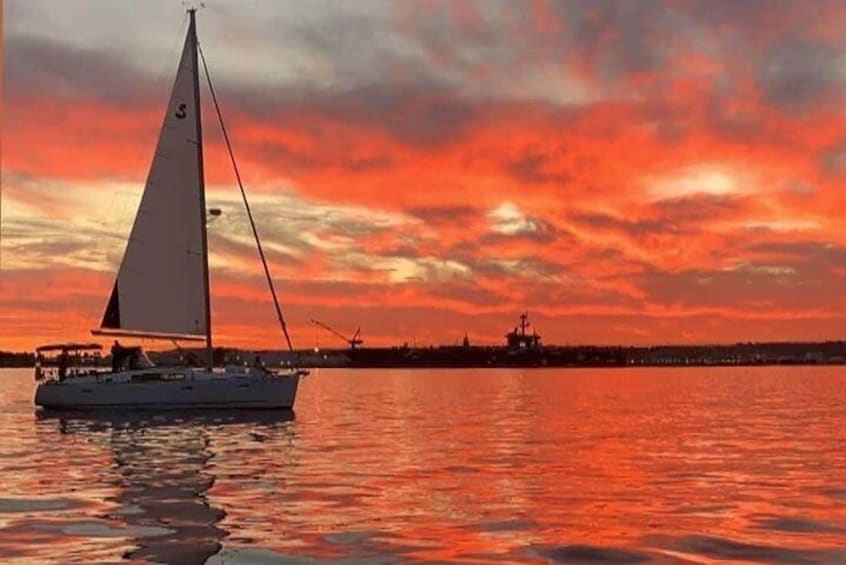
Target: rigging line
246, 204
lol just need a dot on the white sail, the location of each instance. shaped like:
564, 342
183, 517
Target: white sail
161, 285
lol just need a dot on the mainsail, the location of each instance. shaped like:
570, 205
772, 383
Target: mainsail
162, 284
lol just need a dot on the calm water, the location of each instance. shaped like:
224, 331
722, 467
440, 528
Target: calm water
565, 466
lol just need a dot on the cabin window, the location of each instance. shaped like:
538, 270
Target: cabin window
150, 377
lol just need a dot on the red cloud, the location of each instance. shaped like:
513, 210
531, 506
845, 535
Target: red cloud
683, 185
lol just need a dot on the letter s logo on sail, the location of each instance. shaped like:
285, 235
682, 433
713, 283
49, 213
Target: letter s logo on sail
180, 111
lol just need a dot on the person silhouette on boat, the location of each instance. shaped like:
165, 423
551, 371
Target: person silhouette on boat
63, 365
118, 355
39, 366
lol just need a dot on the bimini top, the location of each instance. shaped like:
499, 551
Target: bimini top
69, 347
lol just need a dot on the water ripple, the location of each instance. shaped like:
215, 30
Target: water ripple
727, 549
586, 554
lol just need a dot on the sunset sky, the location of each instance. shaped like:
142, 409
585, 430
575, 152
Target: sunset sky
629, 172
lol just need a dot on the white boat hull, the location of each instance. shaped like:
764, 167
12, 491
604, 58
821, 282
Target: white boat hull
170, 389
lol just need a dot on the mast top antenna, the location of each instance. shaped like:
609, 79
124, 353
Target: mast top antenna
193, 5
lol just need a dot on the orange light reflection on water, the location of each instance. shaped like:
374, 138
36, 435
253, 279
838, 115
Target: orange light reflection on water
693, 465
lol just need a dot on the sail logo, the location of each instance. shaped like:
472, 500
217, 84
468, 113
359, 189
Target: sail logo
180, 111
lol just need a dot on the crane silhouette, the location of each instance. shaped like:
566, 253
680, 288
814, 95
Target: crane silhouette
354, 342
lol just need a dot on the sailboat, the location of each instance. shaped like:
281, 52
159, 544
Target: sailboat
161, 290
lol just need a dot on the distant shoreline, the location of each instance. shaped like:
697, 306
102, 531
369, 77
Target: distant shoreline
586, 356
741, 354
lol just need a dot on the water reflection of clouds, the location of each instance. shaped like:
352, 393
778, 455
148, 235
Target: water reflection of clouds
599, 466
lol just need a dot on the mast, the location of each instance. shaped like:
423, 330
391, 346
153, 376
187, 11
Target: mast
192, 33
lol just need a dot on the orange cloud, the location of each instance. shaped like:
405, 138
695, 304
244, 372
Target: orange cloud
625, 179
